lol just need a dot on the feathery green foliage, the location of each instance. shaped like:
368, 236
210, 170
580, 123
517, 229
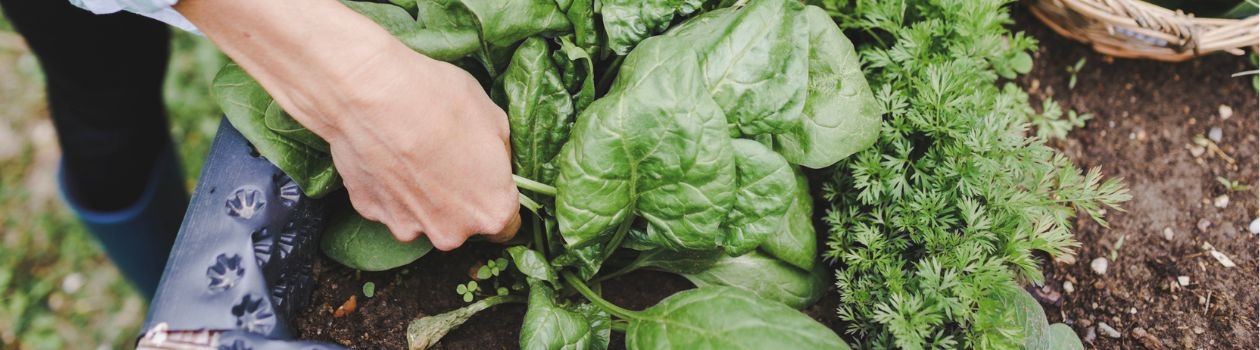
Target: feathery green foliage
930, 225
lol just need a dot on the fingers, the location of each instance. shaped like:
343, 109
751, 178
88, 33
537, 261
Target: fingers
508, 231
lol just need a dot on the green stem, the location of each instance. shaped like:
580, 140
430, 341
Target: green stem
617, 238
620, 326
632, 267
585, 291
534, 185
539, 244
605, 79
528, 203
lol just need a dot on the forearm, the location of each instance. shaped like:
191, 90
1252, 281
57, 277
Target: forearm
297, 53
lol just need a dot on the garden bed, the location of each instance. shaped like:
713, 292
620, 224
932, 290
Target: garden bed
1146, 117
1146, 113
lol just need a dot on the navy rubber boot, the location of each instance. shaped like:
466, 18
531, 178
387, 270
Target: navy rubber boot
138, 238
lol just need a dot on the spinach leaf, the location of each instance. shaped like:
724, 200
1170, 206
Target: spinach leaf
410, 5
628, 22
581, 14
1038, 334
841, 115
582, 84
505, 22
658, 149
726, 318
531, 263
367, 245
282, 123
794, 240
550, 326
245, 103
767, 277
587, 259
679, 262
443, 29
754, 61
765, 188
539, 111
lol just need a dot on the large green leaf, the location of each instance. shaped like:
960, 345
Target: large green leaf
841, 115
539, 111
368, 245
550, 326
794, 239
505, 22
532, 263
755, 272
754, 60
581, 77
765, 189
245, 103
726, 318
657, 148
627, 22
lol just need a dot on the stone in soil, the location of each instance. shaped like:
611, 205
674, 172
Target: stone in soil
1225, 112
1254, 227
1215, 134
1149, 341
1221, 201
1168, 234
1099, 265
1107, 330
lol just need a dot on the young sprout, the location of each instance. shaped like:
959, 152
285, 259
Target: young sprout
467, 290
369, 289
1231, 185
1073, 70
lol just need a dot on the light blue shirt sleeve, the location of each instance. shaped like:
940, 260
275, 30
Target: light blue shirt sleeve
157, 9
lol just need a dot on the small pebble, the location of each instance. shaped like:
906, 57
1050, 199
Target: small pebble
1226, 112
1221, 201
1204, 224
1215, 134
1254, 227
1198, 330
1168, 233
1107, 330
1067, 287
1090, 335
1133, 311
1099, 265
72, 283
1183, 280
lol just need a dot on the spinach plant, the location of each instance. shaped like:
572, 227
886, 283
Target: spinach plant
666, 135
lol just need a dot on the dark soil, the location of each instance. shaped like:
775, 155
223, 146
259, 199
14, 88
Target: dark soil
1146, 114
1146, 117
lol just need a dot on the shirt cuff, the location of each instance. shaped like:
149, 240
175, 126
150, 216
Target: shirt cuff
156, 9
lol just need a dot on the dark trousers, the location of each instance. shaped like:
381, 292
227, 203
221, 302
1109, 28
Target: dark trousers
104, 77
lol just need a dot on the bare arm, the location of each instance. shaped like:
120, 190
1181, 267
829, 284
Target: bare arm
419, 144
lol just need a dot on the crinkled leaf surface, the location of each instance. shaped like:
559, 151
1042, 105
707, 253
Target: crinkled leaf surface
550, 326
505, 22
841, 115
539, 111
657, 148
726, 318
794, 240
754, 60
368, 245
531, 263
765, 276
627, 22
581, 76
765, 187
679, 262
245, 103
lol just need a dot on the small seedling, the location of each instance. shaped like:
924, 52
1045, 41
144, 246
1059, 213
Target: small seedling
492, 268
1115, 249
1231, 185
467, 290
1073, 70
369, 289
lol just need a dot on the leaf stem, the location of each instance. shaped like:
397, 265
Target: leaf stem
585, 291
535, 186
528, 203
620, 326
632, 267
605, 79
617, 238
539, 244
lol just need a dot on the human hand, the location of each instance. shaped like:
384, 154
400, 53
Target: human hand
424, 151
419, 145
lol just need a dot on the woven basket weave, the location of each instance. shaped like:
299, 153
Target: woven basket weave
1136, 29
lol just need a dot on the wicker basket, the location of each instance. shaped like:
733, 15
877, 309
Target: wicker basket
1136, 29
